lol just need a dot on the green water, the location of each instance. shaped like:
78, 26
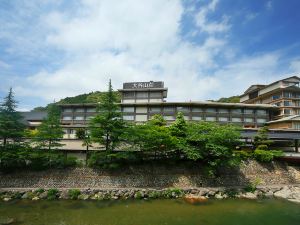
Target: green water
162, 212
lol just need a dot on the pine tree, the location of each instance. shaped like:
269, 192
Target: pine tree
50, 131
11, 127
107, 126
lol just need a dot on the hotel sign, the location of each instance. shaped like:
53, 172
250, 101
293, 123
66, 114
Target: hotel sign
142, 85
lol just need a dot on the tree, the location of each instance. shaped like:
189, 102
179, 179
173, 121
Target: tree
179, 127
261, 139
11, 127
82, 134
50, 131
107, 126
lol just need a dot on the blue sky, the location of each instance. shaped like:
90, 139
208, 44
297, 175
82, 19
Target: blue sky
203, 49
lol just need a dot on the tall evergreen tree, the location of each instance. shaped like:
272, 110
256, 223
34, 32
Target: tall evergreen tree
11, 127
107, 126
50, 131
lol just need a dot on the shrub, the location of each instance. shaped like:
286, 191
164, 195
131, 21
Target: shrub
172, 192
262, 147
52, 194
243, 154
74, 193
154, 194
39, 191
263, 156
251, 187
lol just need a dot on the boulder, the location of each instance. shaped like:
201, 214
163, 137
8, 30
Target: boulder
7, 199
193, 199
249, 195
35, 198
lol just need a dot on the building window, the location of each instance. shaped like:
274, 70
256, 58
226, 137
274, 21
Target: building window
236, 120
128, 109
261, 120
183, 109
78, 118
72, 131
89, 117
211, 110
197, 109
168, 109
296, 126
169, 117
287, 94
141, 118
155, 95
142, 94
261, 112
236, 111
196, 118
155, 109
67, 118
223, 119
223, 110
91, 110
186, 117
287, 103
79, 110
210, 118
277, 103
275, 97
248, 120
128, 94
287, 112
67, 110
128, 117
248, 111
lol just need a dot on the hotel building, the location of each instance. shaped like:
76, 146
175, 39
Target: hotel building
141, 100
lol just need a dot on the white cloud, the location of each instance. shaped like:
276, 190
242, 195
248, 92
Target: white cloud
211, 27
295, 66
269, 5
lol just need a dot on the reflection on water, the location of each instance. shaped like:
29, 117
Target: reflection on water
156, 212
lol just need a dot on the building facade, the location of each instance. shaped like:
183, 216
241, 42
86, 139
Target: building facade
141, 100
285, 94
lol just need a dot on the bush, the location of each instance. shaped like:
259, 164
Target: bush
244, 155
39, 191
263, 156
74, 193
262, 147
52, 194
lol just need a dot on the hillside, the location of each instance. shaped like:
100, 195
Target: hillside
232, 99
92, 97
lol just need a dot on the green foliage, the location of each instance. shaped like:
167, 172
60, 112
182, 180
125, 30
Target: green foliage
157, 120
262, 138
213, 143
52, 194
243, 155
172, 192
232, 99
11, 126
50, 130
74, 193
179, 127
40, 190
107, 126
263, 156
252, 186
262, 147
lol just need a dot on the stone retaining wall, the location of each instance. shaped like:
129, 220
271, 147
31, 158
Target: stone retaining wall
154, 176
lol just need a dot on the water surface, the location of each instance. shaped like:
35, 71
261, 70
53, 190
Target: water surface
154, 212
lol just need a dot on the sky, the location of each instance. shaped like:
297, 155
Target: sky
201, 49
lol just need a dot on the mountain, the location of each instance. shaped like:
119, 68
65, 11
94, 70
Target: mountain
232, 99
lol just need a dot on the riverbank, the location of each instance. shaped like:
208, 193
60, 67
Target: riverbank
192, 195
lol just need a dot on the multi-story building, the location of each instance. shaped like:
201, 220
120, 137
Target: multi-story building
285, 94
141, 100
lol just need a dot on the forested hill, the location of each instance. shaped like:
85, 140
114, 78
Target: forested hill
92, 97
232, 99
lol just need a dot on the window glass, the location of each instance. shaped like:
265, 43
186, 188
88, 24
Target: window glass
155, 109
168, 109
183, 109
261, 120
261, 112
155, 95
287, 111
196, 118
236, 111
78, 118
128, 117
128, 94
67, 118
210, 110
128, 109
169, 117
186, 117
67, 110
223, 110
91, 109
142, 94
79, 110
287, 103
210, 118
236, 119
197, 109
248, 120
274, 97
223, 119
248, 111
